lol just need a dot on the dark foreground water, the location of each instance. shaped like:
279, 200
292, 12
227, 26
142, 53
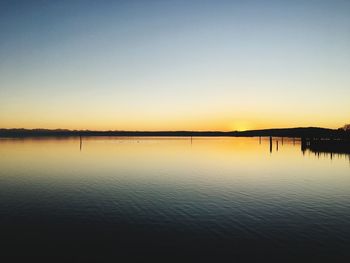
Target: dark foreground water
213, 199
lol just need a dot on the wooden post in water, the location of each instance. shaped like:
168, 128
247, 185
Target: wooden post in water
303, 144
270, 144
277, 146
81, 142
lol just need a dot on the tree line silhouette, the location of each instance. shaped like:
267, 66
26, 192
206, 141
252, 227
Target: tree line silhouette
304, 132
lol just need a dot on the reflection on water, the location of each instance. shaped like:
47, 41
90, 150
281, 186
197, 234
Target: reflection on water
98, 197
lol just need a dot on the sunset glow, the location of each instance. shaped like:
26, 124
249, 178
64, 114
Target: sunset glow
174, 65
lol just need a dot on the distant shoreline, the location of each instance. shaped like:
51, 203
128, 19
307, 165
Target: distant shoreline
300, 132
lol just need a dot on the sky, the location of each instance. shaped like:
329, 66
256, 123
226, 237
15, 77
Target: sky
174, 65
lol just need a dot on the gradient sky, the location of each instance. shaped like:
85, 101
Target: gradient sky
174, 65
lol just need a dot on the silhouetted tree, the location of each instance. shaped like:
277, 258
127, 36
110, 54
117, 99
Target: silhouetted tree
346, 127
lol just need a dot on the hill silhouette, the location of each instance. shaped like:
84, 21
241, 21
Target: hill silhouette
300, 132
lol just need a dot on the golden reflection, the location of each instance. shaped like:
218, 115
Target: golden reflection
214, 161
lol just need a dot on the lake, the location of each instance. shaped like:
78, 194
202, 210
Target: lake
206, 199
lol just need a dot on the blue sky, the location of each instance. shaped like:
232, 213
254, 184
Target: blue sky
174, 64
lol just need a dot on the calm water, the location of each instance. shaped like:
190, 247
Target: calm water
172, 198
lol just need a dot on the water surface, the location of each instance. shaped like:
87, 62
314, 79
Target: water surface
173, 198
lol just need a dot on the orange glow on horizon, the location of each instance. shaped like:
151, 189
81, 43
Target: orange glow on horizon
189, 125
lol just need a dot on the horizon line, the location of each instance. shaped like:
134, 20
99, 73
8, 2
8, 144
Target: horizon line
109, 130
